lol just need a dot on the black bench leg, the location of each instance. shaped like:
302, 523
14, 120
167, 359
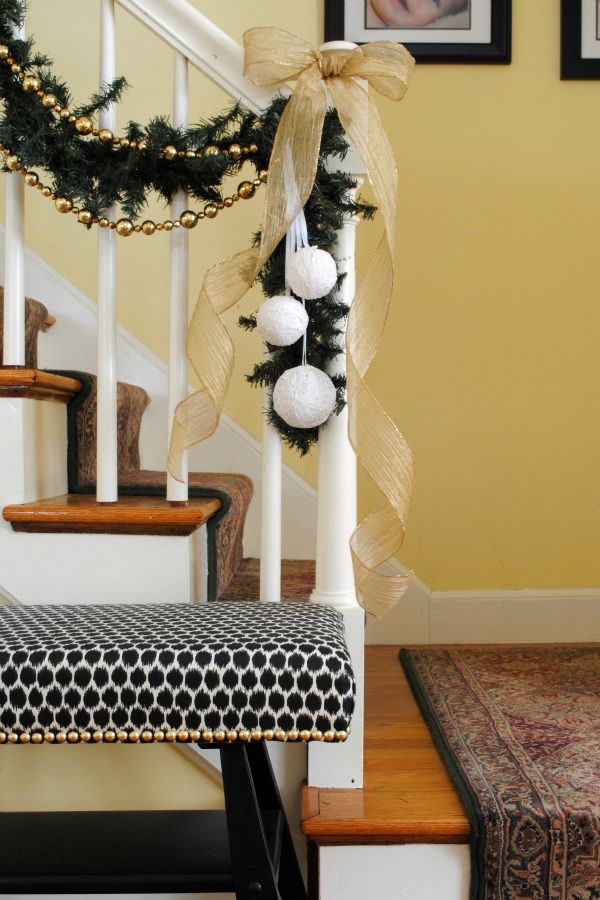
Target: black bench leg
291, 883
250, 793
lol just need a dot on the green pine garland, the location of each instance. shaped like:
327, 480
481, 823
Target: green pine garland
94, 176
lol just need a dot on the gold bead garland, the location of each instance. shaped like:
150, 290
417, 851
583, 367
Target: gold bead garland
125, 227
181, 736
84, 125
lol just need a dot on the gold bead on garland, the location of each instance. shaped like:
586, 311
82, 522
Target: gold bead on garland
84, 125
125, 227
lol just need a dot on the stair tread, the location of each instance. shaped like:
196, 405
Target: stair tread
408, 796
21, 381
129, 515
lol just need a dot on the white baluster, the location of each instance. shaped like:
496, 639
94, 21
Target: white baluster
107, 463
14, 269
177, 491
270, 533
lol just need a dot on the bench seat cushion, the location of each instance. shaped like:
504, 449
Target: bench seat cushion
177, 672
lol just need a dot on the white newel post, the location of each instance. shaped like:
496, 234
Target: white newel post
340, 765
107, 463
177, 491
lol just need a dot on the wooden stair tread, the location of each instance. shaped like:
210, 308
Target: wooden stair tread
408, 796
20, 381
129, 515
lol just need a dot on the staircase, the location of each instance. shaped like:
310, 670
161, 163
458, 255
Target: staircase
219, 500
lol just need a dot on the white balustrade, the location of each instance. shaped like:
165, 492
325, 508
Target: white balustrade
177, 491
107, 461
13, 349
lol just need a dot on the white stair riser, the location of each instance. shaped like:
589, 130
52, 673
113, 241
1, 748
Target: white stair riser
406, 872
34, 450
103, 568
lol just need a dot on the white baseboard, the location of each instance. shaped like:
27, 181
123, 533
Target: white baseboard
534, 615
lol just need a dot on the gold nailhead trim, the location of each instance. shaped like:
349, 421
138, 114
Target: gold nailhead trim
183, 736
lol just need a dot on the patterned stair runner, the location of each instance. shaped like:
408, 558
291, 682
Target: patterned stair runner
297, 580
36, 320
225, 530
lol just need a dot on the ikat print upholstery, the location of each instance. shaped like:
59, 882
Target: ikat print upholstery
176, 672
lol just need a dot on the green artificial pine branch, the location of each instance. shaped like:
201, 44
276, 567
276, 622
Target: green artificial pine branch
96, 175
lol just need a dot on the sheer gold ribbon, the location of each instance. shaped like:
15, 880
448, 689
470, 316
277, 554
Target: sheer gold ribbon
272, 57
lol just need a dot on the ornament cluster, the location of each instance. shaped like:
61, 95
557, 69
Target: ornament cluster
303, 396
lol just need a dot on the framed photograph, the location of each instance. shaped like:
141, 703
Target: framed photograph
436, 31
580, 39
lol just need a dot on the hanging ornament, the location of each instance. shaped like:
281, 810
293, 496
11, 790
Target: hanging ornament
304, 397
311, 273
281, 321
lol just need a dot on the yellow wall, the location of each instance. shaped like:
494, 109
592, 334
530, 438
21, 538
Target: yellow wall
490, 363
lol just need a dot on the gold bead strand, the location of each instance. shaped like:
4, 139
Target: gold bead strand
125, 227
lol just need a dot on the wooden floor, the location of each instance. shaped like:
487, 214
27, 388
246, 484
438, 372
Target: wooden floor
408, 796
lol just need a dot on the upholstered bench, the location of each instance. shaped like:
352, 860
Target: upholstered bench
227, 675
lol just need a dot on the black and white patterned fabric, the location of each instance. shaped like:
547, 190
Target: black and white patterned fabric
177, 672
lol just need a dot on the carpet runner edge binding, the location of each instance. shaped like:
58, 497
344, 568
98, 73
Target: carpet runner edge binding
519, 731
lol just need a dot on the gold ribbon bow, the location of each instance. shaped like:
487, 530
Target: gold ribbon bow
328, 77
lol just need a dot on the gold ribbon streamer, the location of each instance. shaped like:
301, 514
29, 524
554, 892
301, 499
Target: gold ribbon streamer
274, 56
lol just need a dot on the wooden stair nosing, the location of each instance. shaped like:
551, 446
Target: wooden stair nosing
408, 796
21, 381
129, 515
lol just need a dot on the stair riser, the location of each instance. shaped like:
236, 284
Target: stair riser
91, 568
415, 871
34, 450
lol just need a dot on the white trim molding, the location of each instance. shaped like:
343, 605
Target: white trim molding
523, 615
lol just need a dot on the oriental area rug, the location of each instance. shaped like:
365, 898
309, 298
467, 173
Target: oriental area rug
519, 731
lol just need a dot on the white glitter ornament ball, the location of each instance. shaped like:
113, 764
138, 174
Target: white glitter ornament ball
311, 273
281, 321
304, 397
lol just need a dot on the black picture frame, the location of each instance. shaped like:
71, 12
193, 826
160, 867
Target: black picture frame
497, 50
573, 66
